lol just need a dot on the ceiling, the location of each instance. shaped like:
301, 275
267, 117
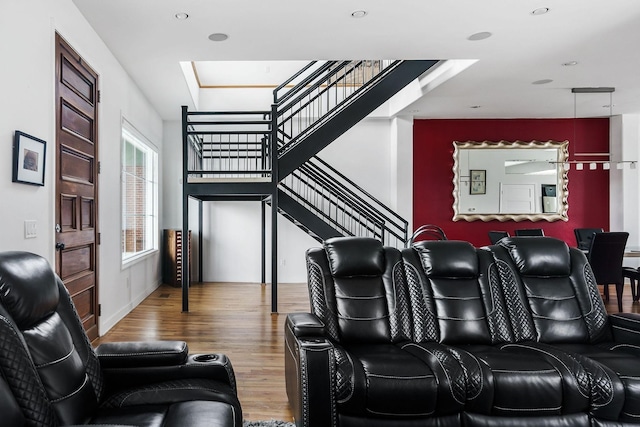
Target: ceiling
601, 36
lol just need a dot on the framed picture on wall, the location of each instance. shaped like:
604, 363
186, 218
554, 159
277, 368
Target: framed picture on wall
28, 159
478, 181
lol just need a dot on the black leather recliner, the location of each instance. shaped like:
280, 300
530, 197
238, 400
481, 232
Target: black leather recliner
51, 376
513, 335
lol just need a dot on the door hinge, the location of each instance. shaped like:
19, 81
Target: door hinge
99, 96
99, 310
99, 238
99, 167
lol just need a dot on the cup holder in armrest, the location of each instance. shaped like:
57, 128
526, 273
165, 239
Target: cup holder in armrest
205, 358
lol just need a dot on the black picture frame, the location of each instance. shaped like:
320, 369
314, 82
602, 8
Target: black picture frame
478, 181
29, 159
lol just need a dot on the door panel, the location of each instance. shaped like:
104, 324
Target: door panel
76, 183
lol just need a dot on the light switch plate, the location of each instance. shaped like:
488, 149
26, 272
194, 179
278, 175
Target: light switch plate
30, 229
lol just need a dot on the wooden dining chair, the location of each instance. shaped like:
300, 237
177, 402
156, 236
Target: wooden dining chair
605, 257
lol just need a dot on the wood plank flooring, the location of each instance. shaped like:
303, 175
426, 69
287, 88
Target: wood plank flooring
236, 319
230, 318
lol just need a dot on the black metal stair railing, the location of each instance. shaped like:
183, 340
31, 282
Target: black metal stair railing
229, 145
344, 205
320, 91
238, 145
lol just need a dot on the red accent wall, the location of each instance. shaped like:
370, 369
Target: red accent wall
433, 175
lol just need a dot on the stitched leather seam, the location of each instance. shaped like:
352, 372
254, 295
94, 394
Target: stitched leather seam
550, 355
625, 319
150, 390
463, 319
556, 408
625, 329
624, 346
439, 363
395, 377
551, 298
53, 362
359, 298
631, 415
365, 319
401, 415
147, 353
73, 393
446, 298
566, 319
518, 371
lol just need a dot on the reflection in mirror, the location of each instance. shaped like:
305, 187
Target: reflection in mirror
510, 181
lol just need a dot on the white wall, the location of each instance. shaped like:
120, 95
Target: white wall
27, 29
623, 184
401, 165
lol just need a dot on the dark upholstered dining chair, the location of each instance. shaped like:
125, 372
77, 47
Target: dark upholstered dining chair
495, 236
529, 232
605, 256
584, 236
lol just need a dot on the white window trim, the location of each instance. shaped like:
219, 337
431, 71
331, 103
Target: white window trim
137, 138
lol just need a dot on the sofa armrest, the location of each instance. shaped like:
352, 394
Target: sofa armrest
142, 354
123, 372
305, 325
310, 366
626, 328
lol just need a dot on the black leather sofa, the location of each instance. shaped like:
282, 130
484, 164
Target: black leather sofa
445, 334
51, 376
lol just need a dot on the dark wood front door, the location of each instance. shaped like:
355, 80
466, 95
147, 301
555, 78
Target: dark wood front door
76, 182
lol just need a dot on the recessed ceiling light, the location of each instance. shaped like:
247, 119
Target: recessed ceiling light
540, 11
181, 16
569, 64
479, 36
542, 82
218, 37
359, 14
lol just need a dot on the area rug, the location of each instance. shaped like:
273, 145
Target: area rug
272, 423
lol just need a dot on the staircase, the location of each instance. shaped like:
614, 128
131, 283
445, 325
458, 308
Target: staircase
310, 110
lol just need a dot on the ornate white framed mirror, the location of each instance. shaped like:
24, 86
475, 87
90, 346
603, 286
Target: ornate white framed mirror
510, 180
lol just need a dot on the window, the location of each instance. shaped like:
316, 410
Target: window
139, 178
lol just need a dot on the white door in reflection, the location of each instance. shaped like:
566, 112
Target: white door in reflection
517, 198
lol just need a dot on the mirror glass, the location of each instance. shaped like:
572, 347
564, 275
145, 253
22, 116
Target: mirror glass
510, 181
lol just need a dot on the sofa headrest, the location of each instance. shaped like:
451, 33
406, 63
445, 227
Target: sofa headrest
539, 256
28, 287
355, 256
448, 258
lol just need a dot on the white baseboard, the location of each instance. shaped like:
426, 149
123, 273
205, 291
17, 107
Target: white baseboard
107, 324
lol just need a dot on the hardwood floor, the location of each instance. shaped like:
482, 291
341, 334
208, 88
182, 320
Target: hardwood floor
230, 318
235, 319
